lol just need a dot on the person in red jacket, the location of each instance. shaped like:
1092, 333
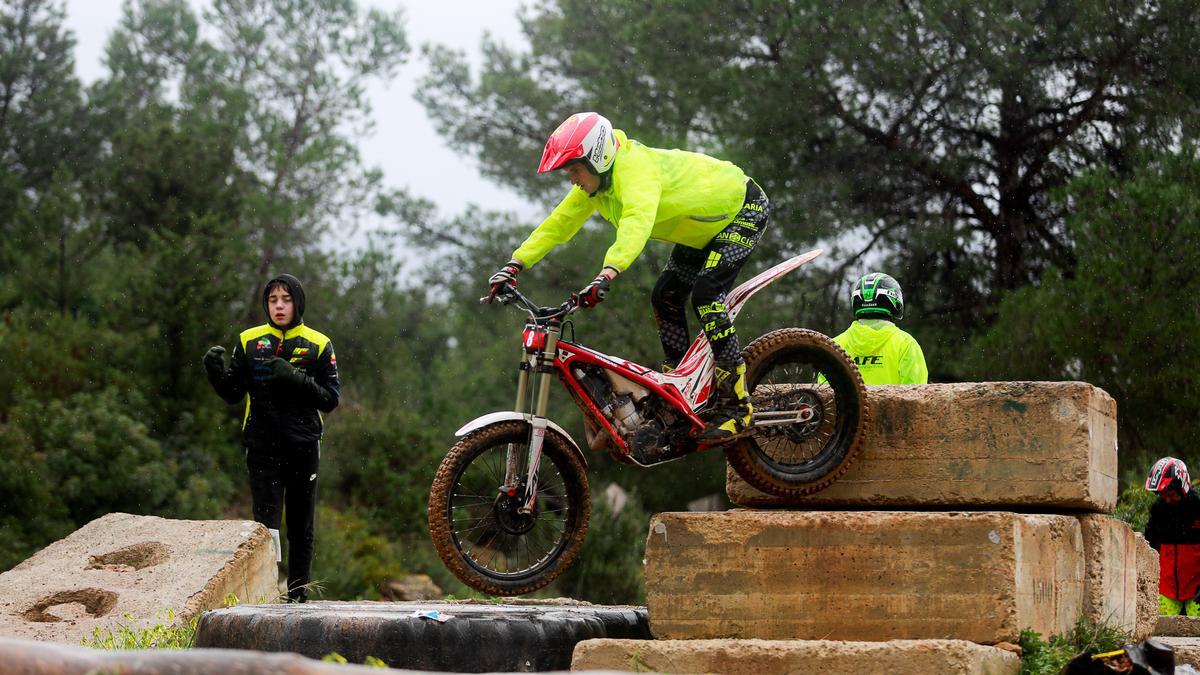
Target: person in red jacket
1174, 531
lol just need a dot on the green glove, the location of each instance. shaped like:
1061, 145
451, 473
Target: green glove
282, 371
214, 360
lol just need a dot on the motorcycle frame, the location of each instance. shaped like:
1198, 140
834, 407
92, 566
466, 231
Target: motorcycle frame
687, 388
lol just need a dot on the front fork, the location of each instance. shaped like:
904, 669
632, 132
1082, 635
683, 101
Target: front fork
541, 364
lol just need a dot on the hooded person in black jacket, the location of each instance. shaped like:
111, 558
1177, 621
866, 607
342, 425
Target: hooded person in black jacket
287, 372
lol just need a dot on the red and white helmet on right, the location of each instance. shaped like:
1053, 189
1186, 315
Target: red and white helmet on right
1168, 472
586, 136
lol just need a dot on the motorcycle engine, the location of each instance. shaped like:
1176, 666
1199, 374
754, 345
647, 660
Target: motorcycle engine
633, 412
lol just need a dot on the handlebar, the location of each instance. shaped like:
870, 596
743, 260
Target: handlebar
508, 294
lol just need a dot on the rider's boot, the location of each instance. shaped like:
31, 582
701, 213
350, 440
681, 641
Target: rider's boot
733, 410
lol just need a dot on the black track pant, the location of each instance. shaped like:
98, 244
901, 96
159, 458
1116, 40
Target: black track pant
283, 480
708, 274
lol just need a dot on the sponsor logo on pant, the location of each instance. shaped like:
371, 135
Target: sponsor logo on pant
735, 238
717, 336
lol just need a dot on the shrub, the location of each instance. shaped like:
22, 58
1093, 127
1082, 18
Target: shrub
609, 567
1047, 657
1133, 506
352, 560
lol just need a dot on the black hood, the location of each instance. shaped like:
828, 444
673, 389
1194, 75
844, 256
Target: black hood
297, 292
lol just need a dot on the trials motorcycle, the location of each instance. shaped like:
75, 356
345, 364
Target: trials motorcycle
510, 503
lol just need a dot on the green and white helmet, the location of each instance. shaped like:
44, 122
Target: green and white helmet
877, 296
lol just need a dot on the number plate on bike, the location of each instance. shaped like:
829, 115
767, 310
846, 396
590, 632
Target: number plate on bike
534, 338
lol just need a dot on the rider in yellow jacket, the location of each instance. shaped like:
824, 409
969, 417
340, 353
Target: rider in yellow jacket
884, 353
708, 208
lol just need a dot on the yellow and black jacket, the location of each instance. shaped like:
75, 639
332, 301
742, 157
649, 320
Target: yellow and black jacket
277, 411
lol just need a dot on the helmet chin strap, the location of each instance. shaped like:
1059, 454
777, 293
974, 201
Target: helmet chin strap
605, 182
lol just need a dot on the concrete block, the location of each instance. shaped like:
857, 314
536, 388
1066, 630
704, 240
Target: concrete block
783, 575
1147, 580
1187, 650
1177, 626
828, 657
139, 565
1028, 446
1110, 584
28, 657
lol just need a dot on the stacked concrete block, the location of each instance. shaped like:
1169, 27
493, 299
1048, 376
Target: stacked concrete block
1187, 650
1023, 446
828, 657
862, 575
1147, 581
121, 565
972, 512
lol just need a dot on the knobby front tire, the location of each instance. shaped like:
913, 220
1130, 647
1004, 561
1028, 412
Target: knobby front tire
477, 531
787, 368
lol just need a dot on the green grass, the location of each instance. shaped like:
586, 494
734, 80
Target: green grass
166, 635
334, 657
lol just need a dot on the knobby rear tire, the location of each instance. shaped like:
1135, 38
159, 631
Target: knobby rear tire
836, 456
556, 450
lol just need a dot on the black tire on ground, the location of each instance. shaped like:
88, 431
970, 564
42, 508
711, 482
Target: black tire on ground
475, 529
836, 442
474, 638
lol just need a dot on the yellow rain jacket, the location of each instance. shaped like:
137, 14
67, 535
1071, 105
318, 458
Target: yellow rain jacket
670, 195
884, 353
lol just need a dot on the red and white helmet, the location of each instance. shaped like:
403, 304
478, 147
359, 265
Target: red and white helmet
1168, 472
587, 136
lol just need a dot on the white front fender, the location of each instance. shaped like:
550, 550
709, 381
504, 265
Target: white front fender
513, 415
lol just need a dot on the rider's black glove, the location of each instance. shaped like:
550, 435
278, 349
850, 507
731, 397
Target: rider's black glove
592, 294
282, 371
214, 361
507, 275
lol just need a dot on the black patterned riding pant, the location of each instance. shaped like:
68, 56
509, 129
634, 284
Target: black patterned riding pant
708, 274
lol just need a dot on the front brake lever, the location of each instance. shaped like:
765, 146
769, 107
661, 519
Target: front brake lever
502, 297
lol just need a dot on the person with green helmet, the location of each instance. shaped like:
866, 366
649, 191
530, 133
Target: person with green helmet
884, 353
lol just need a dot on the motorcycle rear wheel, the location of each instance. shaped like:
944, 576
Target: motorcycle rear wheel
476, 527
797, 369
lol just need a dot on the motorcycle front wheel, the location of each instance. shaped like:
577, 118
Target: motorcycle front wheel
810, 413
481, 531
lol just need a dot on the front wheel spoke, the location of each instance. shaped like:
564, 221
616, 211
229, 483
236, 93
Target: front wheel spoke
477, 527
472, 504
488, 543
478, 519
480, 497
545, 541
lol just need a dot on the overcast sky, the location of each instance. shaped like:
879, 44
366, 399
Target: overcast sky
404, 143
